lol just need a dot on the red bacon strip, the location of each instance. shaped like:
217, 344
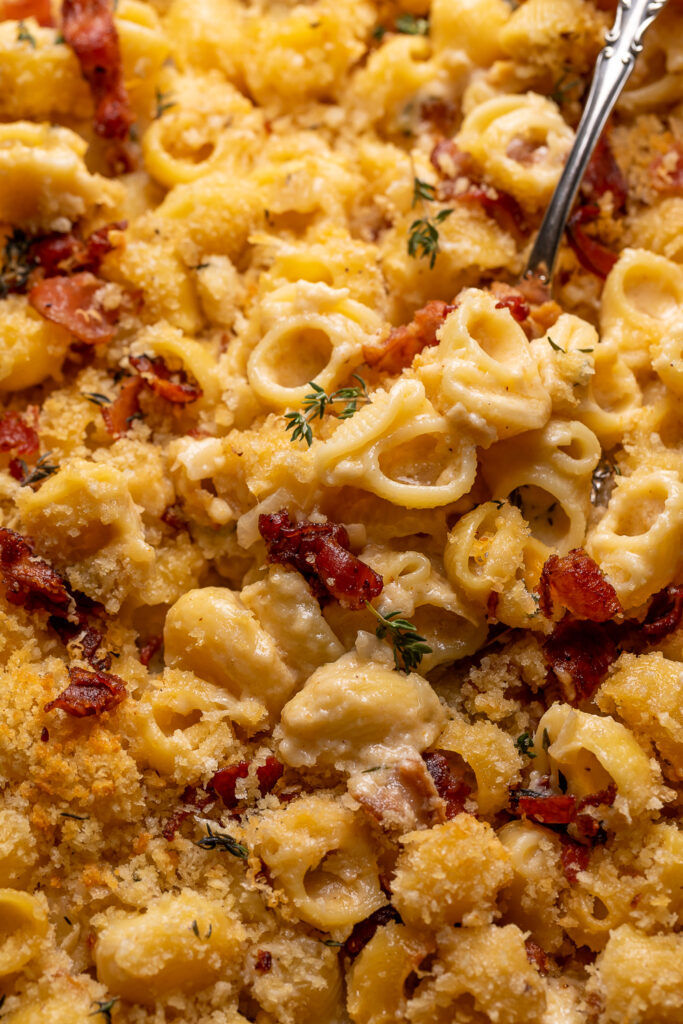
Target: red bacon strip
89, 693
29, 581
452, 789
88, 28
501, 206
402, 344
663, 617
224, 782
65, 254
71, 302
579, 653
517, 306
603, 175
578, 585
118, 416
320, 552
169, 385
18, 10
269, 774
16, 435
149, 648
544, 808
536, 956
86, 637
574, 857
451, 162
363, 931
592, 255
263, 962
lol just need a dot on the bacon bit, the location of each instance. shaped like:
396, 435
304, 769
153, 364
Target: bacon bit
118, 415
89, 29
453, 791
593, 256
157, 376
545, 808
449, 161
441, 114
86, 637
30, 581
173, 517
577, 584
402, 344
17, 435
501, 206
264, 961
44, 735
579, 653
192, 804
604, 797
89, 693
224, 782
18, 10
603, 175
574, 857
150, 648
363, 931
71, 302
663, 617
320, 552
65, 254
536, 956
517, 306
269, 774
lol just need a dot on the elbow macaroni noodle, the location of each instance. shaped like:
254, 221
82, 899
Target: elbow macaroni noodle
305, 810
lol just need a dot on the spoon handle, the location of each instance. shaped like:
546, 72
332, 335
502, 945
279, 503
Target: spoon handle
615, 63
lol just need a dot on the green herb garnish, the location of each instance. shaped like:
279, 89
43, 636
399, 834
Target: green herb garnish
164, 102
423, 240
104, 1007
24, 36
409, 25
40, 471
409, 647
222, 841
525, 744
316, 403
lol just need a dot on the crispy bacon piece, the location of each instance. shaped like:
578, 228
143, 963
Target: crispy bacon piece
501, 206
663, 617
365, 930
577, 584
30, 581
517, 306
173, 517
18, 10
16, 435
574, 857
545, 808
592, 255
536, 956
192, 803
579, 653
264, 961
402, 344
118, 416
65, 254
529, 303
88, 28
89, 693
320, 552
269, 774
149, 648
224, 782
452, 789
86, 637
72, 302
441, 114
172, 386
449, 161
603, 175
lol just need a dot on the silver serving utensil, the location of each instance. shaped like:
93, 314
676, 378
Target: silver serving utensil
615, 63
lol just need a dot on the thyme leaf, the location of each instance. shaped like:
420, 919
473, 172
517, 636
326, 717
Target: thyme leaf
17, 263
164, 102
316, 404
422, 190
555, 346
96, 398
40, 471
423, 239
104, 1007
223, 842
525, 744
409, 25
24, 36
409, 647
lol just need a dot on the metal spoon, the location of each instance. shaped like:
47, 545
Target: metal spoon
615, 63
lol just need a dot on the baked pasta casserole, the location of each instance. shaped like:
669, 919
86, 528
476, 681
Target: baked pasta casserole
341, 582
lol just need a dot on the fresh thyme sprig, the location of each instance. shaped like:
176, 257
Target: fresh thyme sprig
40, 471
423, 240
409, 647
164, 102
24, 36
525, 744
222, 841
317, 402
96, 398
17, 263
104, 1007
422, 190
409, 25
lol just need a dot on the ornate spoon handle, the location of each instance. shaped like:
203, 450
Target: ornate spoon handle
614, 65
